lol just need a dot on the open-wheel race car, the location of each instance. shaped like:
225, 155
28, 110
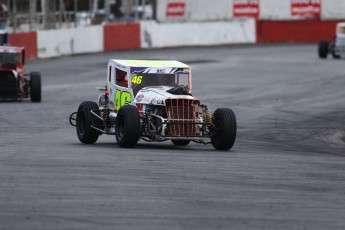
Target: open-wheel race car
152, 101
14, 82
336, 47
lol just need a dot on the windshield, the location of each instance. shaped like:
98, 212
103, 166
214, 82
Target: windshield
10, 58
141, 80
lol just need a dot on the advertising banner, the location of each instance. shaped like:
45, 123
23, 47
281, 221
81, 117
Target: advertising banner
311, 8
246, 8
176, 9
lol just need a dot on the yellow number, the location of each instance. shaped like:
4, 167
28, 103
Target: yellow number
117, 100
121, 98
137, 79
125, 97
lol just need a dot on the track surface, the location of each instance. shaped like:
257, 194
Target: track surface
286, 170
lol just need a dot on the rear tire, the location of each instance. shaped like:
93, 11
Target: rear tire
226, 128
35, 87
85, 119
127, 126
180, 142
323, 49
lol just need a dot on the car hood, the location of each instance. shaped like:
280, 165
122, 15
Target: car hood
156, 95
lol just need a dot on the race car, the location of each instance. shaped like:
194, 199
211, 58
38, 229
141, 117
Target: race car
337, 47
14, 83
152, 101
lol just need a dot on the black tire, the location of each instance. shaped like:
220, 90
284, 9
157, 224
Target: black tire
180, 142
226, 128
127, 126
85, 119
35, 87
323, 49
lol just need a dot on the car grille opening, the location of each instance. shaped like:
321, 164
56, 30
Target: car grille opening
182, 118
8, 84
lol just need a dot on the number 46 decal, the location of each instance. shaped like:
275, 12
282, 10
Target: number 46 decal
121, 98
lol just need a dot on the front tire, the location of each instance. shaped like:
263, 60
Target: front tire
180, 142
323, 49
35, 87
85, 120
226, 128
127, 126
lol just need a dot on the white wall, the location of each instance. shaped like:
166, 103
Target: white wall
333, 9
156, 35
275, 9
215, 10
197, 10
52, 43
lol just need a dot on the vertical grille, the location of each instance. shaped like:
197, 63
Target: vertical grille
8, 84
181, 115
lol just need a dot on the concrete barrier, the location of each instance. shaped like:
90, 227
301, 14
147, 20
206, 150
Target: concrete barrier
205, 10
193, 10
193, 23
333, 9
155, 35
52, 43
295, 31
121, 36
27, 40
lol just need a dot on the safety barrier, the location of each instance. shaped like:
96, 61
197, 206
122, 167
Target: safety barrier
183, 23
52, 43
156, 35
121, 36
312, 30
28, 40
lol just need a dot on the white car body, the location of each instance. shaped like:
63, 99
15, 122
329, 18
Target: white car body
152, 101
339, 41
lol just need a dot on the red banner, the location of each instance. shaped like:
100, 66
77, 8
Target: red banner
310, 8
176, 9
246, 8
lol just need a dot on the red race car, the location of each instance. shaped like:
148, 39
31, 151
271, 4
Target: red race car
14, 83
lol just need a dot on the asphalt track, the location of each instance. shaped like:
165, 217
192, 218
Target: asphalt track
286, 170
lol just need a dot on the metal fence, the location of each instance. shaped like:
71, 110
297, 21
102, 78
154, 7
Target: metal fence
29, 15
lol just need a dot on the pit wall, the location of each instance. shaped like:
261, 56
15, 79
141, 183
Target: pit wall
157, 35
192, 23
136, 35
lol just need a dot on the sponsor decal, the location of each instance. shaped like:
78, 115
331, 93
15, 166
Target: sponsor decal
139, 107
139, 98
138, 69
176, 9
311, 8
147, 99
246, 8
160, 101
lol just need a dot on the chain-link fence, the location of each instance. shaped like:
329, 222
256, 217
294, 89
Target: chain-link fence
29, 15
